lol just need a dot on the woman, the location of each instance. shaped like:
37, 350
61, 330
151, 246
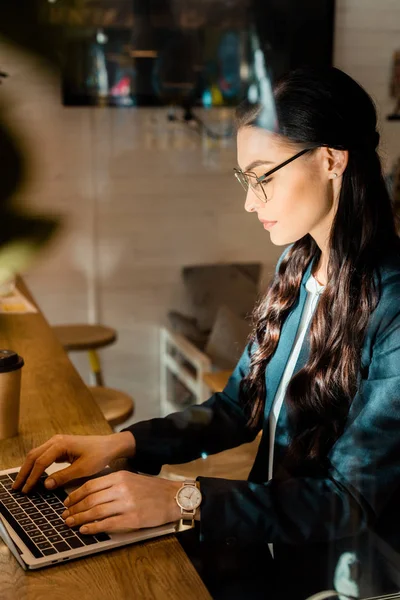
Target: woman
322, 490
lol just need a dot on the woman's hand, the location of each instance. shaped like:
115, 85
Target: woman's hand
121, 502
88, 454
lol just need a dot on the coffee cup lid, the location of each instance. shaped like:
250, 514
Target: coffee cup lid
10, 361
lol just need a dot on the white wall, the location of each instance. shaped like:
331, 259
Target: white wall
143, 198
367, 34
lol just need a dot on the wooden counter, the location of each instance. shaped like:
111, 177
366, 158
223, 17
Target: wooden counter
216, 380
54, 399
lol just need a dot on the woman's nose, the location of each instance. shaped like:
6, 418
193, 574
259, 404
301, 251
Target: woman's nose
251, 201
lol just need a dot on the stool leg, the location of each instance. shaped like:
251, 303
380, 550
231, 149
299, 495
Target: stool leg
96, 367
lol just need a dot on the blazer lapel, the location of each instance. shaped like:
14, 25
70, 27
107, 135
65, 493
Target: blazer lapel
277, 365
274, 373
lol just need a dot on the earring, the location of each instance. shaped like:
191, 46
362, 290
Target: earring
335, 175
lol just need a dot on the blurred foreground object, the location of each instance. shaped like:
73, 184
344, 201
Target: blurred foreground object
22, 233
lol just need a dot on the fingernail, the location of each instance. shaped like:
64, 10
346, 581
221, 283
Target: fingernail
50, 483
83, 529
66, 502
24, 489
70, 521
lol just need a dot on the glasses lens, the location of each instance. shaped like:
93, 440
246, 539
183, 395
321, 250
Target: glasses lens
242, 179
261, 190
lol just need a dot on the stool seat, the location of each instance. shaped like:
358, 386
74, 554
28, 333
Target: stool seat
79, 337
115, 405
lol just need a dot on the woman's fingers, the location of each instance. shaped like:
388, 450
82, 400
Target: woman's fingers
28, 464
39, 465
102, 511
91, 501
116, 524
90, 487
100, 499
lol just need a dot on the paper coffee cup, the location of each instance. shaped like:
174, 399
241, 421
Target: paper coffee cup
10, 390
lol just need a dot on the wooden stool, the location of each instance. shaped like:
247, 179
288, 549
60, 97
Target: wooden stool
79, 338
115, 405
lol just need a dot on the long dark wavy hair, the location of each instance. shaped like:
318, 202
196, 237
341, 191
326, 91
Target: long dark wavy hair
325, 107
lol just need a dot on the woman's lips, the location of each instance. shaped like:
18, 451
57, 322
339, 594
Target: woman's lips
268, 224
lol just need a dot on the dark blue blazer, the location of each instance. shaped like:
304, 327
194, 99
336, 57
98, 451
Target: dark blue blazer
312, 518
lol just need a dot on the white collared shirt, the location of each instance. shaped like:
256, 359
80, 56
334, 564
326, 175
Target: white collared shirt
314, 290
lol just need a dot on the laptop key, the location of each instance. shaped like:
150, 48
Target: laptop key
67, 534
53, 500
43, 545
102, 537
4, 478
52, 515
37, 501
33, 496
31, 528
40, 522
54, 538
87, 539
9, 501
47, 511
37, 536
24, 502
13, 475
31, 511
47, 495
49, 551
25, 521
74, 542
35, 516
20, 508
34, 532
61, 546
60, 510
55, 519
10, 505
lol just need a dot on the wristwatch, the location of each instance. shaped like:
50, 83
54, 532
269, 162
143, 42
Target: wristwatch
188, 498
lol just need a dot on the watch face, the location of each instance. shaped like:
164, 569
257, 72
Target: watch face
189, 497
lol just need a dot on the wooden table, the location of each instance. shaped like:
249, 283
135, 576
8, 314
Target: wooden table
216, 380
54, 399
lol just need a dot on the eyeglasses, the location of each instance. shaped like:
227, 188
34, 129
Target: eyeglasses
262, 186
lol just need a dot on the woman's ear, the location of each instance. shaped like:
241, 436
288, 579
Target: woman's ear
335, 162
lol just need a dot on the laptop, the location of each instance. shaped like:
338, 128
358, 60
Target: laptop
32, 528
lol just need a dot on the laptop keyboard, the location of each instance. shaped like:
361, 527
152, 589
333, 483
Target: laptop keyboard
36, 518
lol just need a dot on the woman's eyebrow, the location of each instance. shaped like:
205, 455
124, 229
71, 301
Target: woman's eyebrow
257, 163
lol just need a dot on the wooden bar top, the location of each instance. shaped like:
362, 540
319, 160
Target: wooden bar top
54, 399
216, 380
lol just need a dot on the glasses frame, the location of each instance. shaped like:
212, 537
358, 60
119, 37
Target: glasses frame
239, 173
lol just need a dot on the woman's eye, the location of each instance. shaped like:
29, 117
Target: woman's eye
266, 181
